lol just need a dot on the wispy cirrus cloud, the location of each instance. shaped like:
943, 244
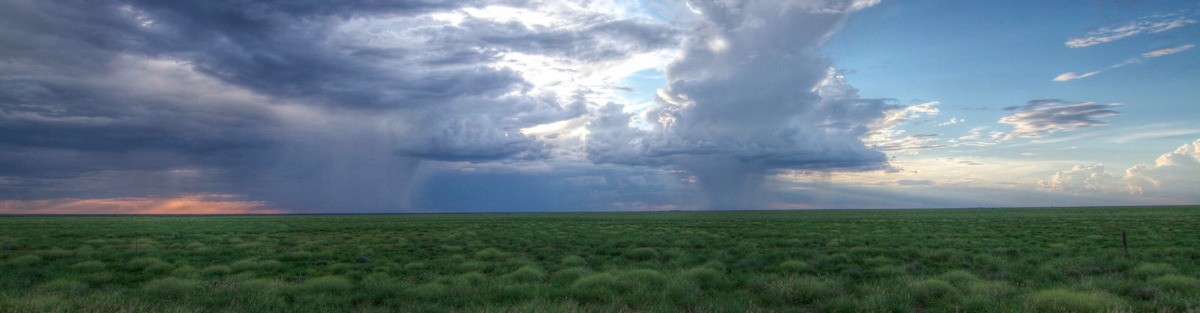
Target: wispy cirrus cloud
1069, 76
1042, 117
1167, 51
1151, 24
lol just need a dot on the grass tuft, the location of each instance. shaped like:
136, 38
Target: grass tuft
88, 266
1153, 269
1177, 283
702, 276
569, 275
794, 266
328, 284
172, 287
140, 264
597, 287
573, 261
62, 286
642, 254
1062, 300
803, 289
959, 278
216, 270
933, 290
25, 260
297, 255
491, 254
528, 273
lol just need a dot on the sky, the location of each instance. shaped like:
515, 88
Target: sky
260, 107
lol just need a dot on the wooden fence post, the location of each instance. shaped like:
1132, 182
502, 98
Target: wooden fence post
1125, 242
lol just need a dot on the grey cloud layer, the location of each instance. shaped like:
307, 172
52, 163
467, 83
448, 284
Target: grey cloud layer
307, 105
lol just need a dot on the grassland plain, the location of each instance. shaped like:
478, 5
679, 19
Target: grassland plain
976, 260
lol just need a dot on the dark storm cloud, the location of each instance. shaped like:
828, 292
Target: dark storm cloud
291, 50
309, 105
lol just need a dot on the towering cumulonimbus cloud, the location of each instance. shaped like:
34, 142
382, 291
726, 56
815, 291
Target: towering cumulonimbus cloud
749, 94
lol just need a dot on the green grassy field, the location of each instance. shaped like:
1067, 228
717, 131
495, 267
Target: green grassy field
980, 260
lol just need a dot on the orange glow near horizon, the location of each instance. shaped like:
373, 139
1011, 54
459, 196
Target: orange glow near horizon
189, 205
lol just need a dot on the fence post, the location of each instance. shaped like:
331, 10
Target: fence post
1125, 242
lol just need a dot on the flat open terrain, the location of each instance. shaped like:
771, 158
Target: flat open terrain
979, 260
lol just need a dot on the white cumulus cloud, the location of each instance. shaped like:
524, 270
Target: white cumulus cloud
1173, 176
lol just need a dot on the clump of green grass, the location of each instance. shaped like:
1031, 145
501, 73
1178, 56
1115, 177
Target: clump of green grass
297, 255
878, 261
415, 266
269, 265
803, 289
795, 266
528, 273
243, 265
469, 280
34, 303
25, 260
139, 264
643, 277
472, 266
99, 278
989, 289
573, 260
959, 278
702, 276
511, 294
1176, 282
216, 270
428, 292
342, 268
248, 245
159, 268
597, 287
491, 254
642, 254
888, 271
63, 286
88, 266
57, 252
327, 284
1153, 269
381, 285
172, 287
185, 271
933, 290
1062, 300
568, 275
